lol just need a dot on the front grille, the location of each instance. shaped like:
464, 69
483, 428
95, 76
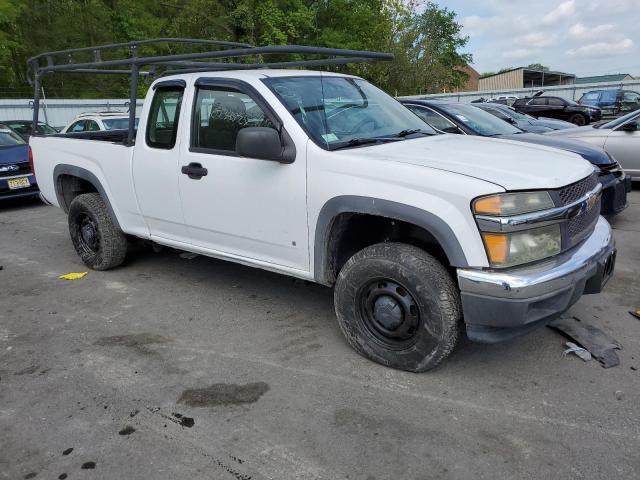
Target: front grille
575, 191
13, 169
579, 225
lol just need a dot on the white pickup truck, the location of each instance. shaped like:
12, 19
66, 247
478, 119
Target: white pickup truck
324, 177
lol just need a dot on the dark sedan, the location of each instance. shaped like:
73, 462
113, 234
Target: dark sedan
467, 119
557, 107
16, 172
522, 120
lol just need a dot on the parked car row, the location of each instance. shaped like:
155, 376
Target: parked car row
540, 105
590, 108
471, 119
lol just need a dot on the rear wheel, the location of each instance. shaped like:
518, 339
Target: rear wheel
100, 244
578, 119
398, 306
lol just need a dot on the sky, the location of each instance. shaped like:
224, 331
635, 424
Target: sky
584, 37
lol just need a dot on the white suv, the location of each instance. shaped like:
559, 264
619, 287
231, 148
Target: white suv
98, 121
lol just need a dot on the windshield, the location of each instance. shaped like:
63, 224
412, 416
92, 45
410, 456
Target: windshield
46, 129
517, 115
9, 137
618, 121
117, 123
23, 127
481, 122
339, 111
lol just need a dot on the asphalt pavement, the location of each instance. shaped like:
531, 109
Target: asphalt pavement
176, 368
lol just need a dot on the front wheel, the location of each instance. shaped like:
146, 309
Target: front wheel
398, 306
578, 119
98, 241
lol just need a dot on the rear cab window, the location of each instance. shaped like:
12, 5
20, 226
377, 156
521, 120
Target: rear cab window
164, 115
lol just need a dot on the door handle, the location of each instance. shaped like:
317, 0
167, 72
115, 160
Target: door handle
194, 171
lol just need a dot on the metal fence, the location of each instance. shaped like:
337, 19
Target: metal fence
569, 92
59, 112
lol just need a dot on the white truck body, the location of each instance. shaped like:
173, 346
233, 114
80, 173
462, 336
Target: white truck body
253, 211
277, 216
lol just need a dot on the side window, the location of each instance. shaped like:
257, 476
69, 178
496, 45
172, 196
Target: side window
538, 101
162, 124
590, 97
631, 97
77, 127
556, 102
220, 113
432, 118
91, 126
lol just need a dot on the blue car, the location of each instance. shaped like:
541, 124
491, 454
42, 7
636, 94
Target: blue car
16, 166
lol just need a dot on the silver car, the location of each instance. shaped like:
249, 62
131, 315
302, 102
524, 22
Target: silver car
619, 137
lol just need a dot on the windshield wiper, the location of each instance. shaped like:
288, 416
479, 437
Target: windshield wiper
354, 142
406, 133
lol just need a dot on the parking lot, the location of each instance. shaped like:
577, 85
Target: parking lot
176, 368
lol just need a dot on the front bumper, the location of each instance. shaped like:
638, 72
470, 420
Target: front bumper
594, 115
614, 193
501, 304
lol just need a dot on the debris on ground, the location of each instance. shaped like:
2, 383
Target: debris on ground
188, 255
636, 313
578, 351
128, 430
619, 394
598, 343
184, 421
73, 275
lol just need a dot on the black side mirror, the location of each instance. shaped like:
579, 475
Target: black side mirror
263, 143
629, 127
512, 121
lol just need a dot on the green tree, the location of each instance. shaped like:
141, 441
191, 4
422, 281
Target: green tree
429, 53
426, 45
538, 66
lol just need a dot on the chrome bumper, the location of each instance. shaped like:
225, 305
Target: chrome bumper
501, 304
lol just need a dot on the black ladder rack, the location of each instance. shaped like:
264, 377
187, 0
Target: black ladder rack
211, 60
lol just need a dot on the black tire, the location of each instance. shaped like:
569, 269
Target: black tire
422, 289
100, 244
578, 119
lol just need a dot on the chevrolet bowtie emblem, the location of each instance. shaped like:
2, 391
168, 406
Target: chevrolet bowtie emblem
592, 200
9, 168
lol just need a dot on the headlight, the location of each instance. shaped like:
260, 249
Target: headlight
515, 248
506, 204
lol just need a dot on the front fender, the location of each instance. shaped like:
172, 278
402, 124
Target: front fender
384, 208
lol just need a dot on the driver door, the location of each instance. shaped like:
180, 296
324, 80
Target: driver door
241, 207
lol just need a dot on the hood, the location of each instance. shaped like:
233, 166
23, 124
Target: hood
553, 123
595, 155
586, 131
13, 154
510, 164
533, 127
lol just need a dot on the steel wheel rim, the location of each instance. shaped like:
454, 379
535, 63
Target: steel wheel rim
88, 234
389, 313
